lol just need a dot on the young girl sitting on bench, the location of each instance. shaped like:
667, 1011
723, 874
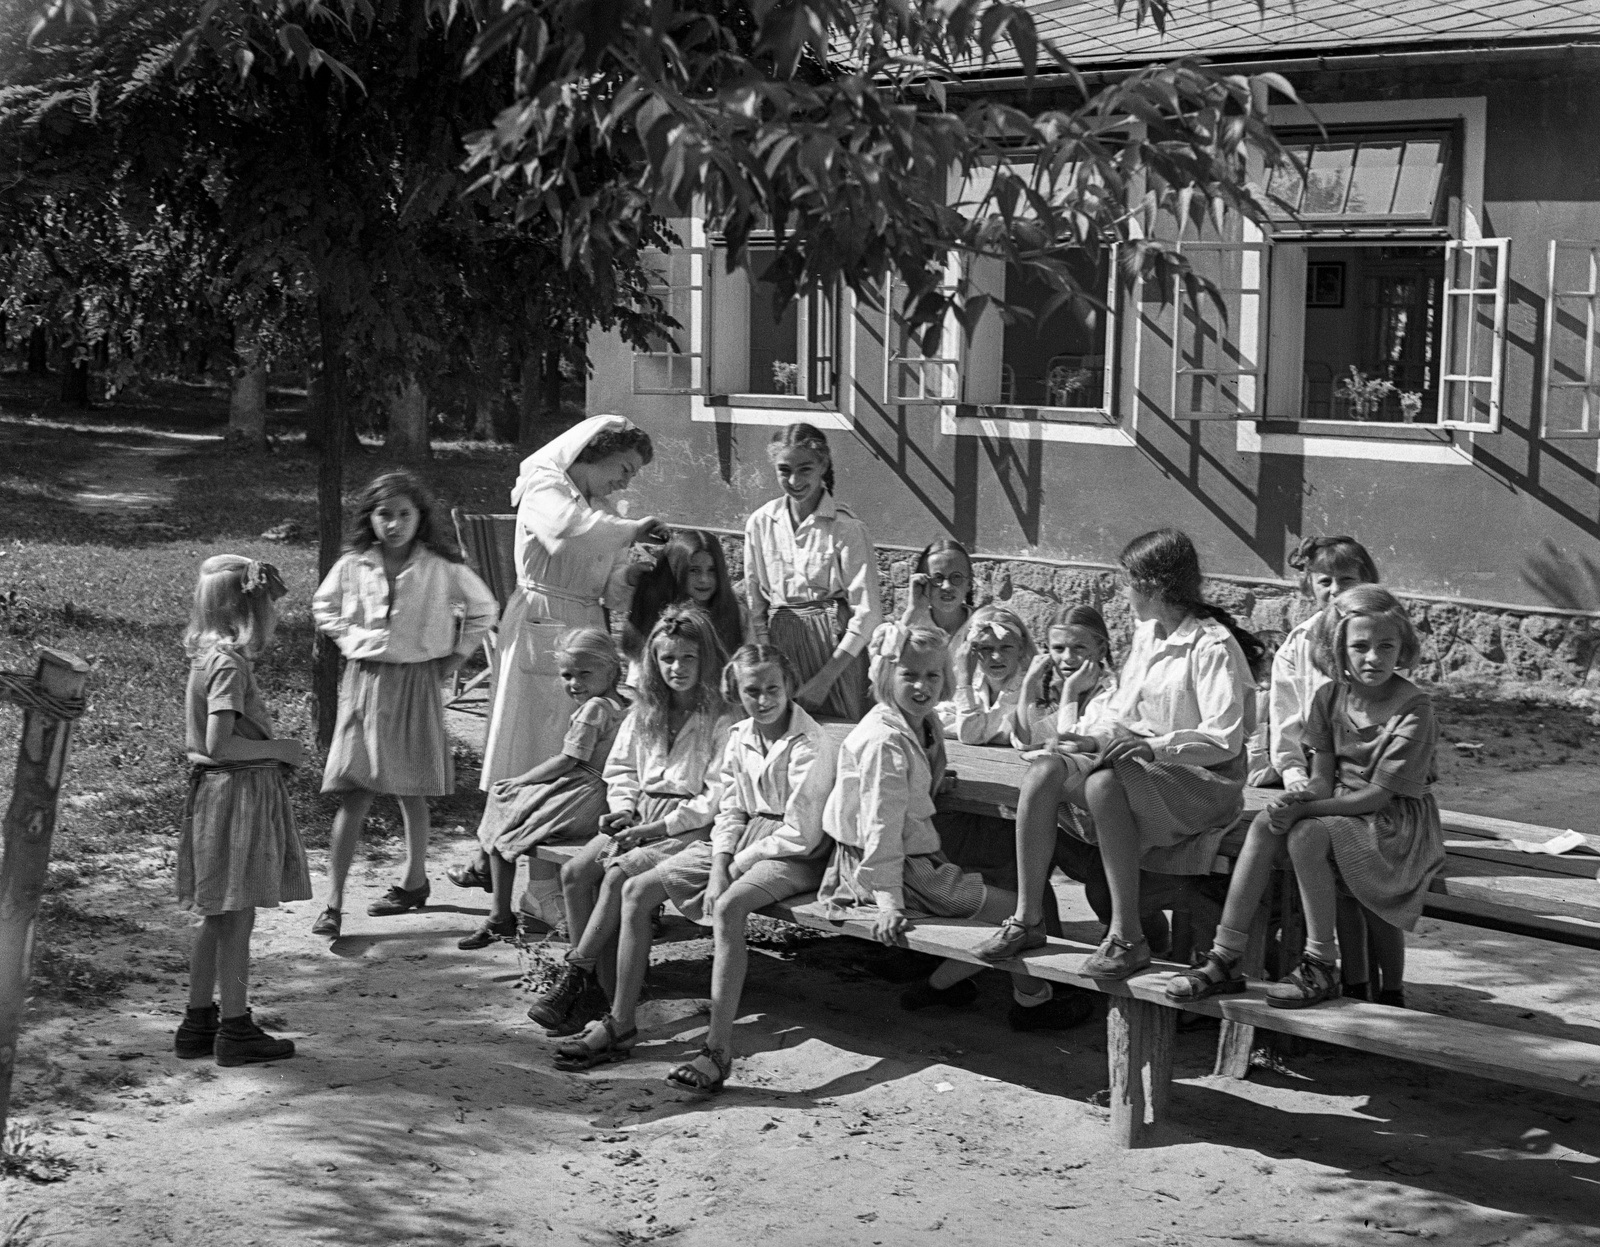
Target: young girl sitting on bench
988, 687
1367, 811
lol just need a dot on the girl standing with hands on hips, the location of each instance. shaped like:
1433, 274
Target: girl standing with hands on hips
1367, 812
390, 603
812, 577
238, 849
1166, 757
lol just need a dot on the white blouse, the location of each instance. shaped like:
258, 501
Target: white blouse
1295, 681
980, 714
789, 779
353, 606
1187, 693
568, 546
691, 768
827, 555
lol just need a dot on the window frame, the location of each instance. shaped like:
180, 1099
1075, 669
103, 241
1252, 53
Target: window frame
1449, 292
1590, 385
1357, 132
1187, 312
693, 330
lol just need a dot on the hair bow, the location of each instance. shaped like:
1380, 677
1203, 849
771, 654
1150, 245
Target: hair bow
993, 631
258, 577
887, 644
1300, 557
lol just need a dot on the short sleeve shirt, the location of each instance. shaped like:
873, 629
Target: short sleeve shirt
221, 680
592, 731
1397, 755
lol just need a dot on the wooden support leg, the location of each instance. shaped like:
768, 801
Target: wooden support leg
1139, 1053
1238, 1040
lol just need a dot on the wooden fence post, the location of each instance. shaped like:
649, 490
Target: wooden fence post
25, 854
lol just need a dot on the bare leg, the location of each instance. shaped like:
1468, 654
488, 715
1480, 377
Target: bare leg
233, 959
203, 962
580, 880
1118, 835
1311, 850
1040, 795
1251, 874
347, 825
414, 810
503, 875
640, 896
732, 961
597, 945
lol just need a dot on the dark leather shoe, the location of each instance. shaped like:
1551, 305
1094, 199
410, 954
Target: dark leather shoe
398, 900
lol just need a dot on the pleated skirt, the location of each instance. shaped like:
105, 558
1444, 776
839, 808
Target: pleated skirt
238, 847
1182, 812
390, 734
932, 884
808, 633
518, 817
1387, 859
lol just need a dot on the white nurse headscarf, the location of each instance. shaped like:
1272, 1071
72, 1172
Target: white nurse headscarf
550, 462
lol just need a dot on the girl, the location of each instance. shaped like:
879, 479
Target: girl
238, 849
941, 590
1061, 683
691, 569
390, 603
1367, 811
1328, 566
558, 800
812, 577
887, 853
663, 787
777, 770
997, 650
1166, 757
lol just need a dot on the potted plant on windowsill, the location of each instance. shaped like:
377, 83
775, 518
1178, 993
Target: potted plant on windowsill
1362, 397
786, 378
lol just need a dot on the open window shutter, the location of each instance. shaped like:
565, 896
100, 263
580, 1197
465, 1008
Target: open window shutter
1571, 334
1473, 332
820, 329
675, 363
1219, 367
916, 378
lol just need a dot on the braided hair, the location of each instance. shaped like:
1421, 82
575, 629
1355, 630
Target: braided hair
1165, 565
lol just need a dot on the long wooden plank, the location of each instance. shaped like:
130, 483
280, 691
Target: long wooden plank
1563, 1066
1544, 894
1495, 916
1510, 861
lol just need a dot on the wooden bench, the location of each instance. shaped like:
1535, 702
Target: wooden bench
1141, 1021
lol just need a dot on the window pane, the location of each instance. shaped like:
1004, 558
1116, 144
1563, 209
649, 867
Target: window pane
1056, 359
1421, 169
1372, 181
1569, 343
1285, 181
1573, 269
1569, 409
774, 336
1328, 178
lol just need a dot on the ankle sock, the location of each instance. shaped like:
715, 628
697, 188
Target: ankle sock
586, 964
1042, 997
1230, 943
1325, 951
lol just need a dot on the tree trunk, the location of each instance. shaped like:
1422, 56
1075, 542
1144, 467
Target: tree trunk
247, 403
408, 422
552, 387
75, 383
38, 352
486, 384
29, 823
333, 418
528, 401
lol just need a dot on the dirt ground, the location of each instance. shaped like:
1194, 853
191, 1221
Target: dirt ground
422, 1107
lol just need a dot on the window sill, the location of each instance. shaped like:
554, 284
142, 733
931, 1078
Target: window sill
768, 402
1042, 415
773, 410
1359, 430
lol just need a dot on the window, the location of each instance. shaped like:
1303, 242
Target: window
1220, 353
1357, 179
922, 371
1473, 329
1572, 330
673, 364
763, 350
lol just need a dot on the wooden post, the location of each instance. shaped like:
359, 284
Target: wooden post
25, 856
1139, 1053
1238, 1039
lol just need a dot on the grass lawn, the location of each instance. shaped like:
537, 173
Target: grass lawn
105, 517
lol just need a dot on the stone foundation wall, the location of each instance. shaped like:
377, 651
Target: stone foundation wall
1463, 646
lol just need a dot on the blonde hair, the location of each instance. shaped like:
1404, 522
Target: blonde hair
591, 643
1360, 602
683, 622
225, 615
987, 616
891, 641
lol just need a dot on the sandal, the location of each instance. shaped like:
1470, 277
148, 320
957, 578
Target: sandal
1198, 982
1117, 959
691, 1077
469, 876
1310, 983
577, 1055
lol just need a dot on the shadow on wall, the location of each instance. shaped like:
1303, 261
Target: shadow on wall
1566, 581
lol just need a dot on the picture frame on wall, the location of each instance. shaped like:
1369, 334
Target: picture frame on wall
1325, 283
